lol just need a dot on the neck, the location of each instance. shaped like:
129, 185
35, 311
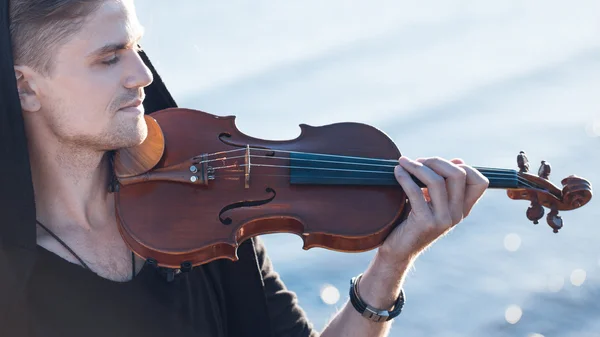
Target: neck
311, 168
70, 185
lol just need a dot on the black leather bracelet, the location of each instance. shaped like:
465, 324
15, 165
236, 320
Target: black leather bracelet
367, 311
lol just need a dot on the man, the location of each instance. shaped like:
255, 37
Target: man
76, 93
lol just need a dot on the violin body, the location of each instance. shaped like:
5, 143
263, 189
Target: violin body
173, 220
197, 187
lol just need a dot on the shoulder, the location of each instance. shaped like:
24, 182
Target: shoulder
16, 265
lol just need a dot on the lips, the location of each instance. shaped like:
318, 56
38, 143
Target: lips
134, 104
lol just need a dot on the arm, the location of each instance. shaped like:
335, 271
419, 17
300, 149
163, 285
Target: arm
452, 190
380, 287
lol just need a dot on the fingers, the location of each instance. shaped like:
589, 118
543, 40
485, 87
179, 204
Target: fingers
477, 184
455, 178
413, 192
436, 187
452, 186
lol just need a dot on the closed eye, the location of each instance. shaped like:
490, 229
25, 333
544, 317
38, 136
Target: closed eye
112, 61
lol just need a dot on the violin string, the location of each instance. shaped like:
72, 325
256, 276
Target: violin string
488, 172
377, 160
317, 177
296, 152
483, 170
524, 184
302, 167
296, 159
333, 169
392, 163
505, 171
498, 176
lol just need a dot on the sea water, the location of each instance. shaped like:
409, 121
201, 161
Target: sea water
478, 80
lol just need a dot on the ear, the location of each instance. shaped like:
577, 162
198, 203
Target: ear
28, 89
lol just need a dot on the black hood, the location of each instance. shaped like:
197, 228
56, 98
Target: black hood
17, 207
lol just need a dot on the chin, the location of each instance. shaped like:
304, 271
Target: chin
139, 132
130, 134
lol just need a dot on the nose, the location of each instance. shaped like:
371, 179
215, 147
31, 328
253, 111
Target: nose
138, 74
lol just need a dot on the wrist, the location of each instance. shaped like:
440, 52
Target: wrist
373, 313
381, 283
392, 263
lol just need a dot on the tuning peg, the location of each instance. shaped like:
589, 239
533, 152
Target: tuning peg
554, 220
535, 212
523, 162
544, 170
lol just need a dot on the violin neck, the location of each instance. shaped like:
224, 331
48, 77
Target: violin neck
498, 178
321, 169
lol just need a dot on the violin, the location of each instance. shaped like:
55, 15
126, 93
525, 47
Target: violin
197, 187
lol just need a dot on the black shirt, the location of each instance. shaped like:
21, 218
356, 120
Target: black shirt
64, 299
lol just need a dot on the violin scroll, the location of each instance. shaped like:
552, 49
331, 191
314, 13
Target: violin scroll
575, 193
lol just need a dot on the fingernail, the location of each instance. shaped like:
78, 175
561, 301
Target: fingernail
404, 159
399, 170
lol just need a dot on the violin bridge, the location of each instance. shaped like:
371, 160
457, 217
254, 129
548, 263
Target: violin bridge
247, 173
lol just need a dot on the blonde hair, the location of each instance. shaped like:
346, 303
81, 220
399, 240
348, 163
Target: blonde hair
38, 27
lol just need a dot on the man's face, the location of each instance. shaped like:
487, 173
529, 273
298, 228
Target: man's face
96, 74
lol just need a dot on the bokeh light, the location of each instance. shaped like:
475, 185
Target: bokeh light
513, 314
330, 294
512, 242
578, 277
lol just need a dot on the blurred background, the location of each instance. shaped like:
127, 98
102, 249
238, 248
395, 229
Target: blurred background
479, 80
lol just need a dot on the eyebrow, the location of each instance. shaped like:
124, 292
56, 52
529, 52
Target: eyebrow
112, 47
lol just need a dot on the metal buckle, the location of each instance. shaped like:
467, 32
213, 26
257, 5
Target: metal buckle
375, 315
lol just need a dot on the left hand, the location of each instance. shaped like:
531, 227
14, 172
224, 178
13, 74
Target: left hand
453, 188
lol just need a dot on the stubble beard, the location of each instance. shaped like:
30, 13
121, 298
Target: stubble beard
121, 132
127, 133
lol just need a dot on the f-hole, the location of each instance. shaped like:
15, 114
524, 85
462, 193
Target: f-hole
246, 203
